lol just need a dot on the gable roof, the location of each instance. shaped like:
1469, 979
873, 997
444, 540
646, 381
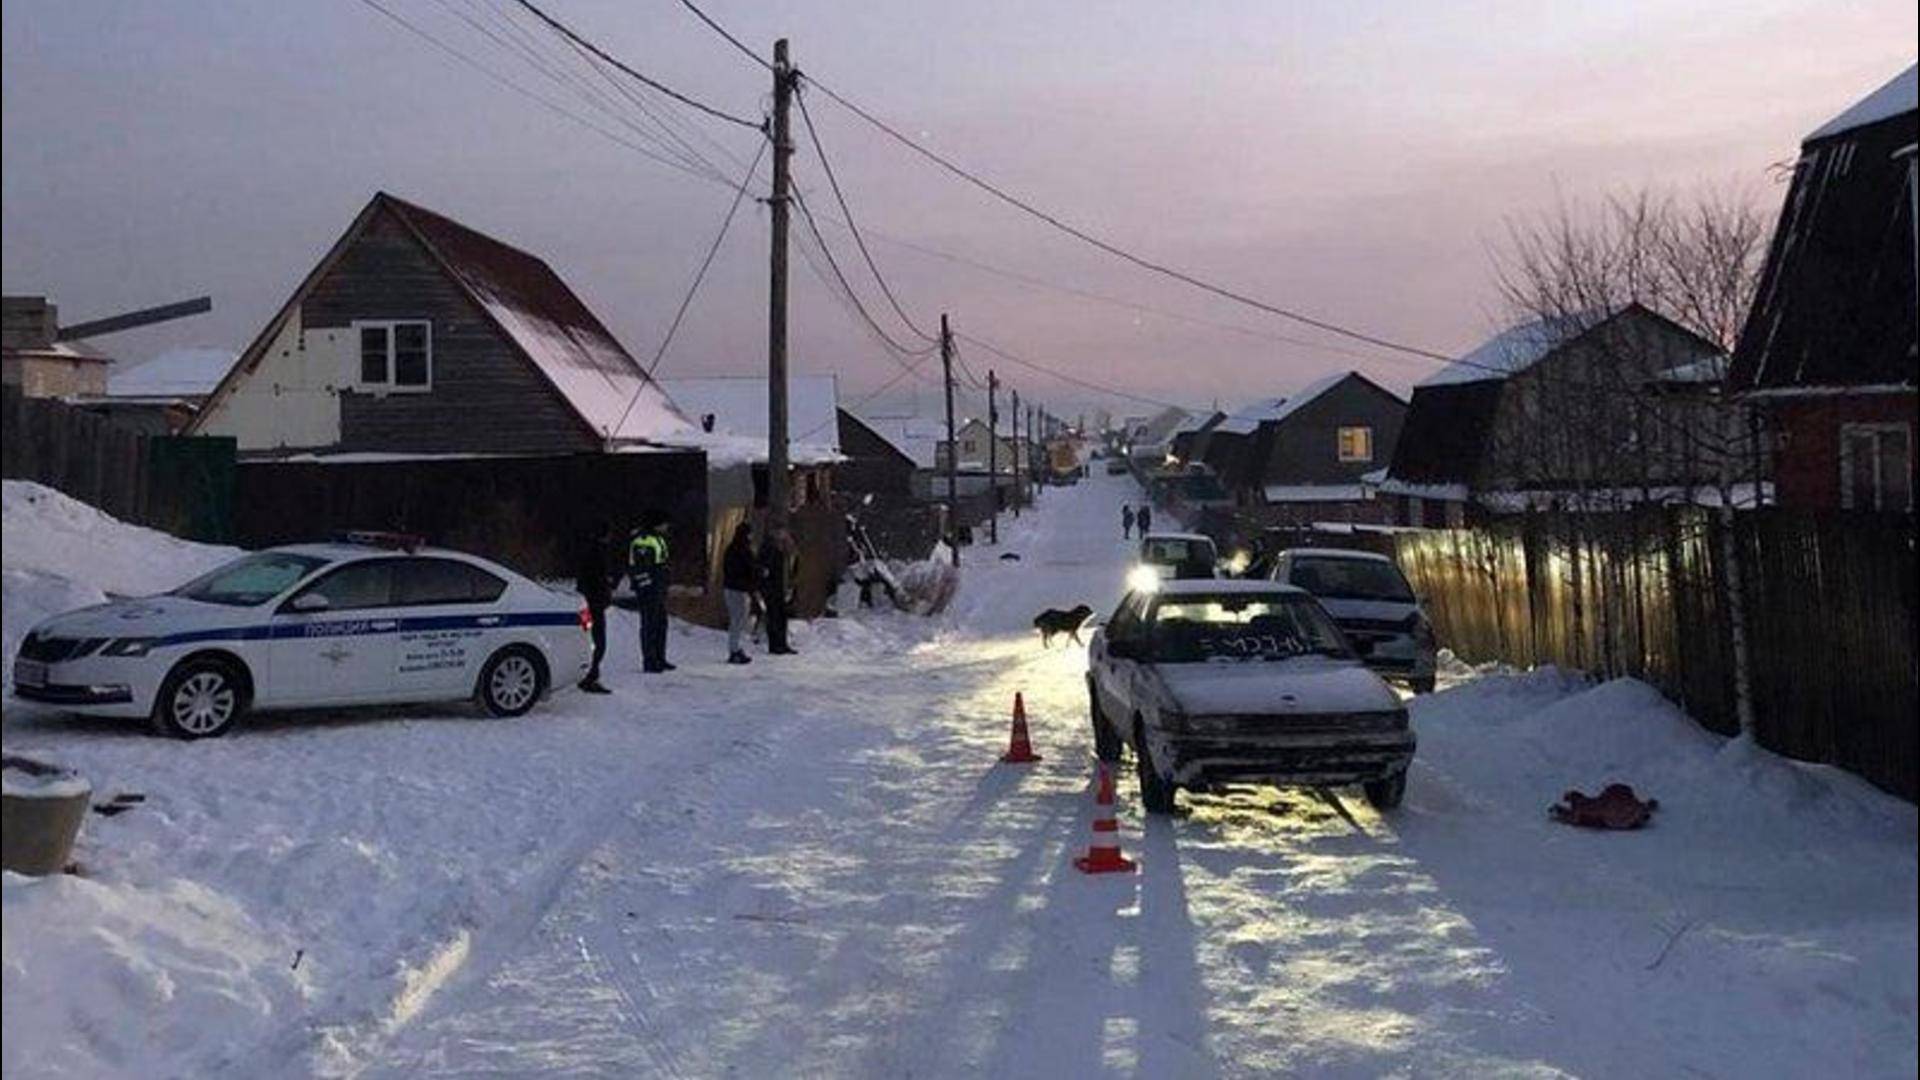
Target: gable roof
849, 422
917, 437
1512, 350
1445, 432
532, 308
738, 404
1835, 306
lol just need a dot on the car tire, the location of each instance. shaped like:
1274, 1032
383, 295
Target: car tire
1106, 741
201, 698
512, 681
1423, 685
1386, 793
1156, 792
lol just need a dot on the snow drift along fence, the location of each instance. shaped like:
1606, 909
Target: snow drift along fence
1830, 602
173, 483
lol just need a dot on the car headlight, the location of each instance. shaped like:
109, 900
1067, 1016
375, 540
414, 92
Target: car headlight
1238, 564
1143, 578
129, 646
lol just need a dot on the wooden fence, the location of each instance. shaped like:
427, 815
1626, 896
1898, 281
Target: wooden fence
1830, 610
178, 484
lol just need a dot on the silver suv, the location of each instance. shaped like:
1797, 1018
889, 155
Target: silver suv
1372, 604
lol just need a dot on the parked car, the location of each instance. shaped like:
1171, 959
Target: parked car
1372, 604
1173, 556
1116, 465
1213, 682
365, 621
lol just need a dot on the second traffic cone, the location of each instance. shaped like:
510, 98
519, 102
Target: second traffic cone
1019, 748
1103, 852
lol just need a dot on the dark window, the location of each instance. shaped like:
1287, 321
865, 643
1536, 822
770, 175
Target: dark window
373, 354
1351, 579
445, 581
357, 585
410, 354
254, 579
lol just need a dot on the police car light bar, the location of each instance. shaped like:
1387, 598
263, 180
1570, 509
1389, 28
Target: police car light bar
407, 542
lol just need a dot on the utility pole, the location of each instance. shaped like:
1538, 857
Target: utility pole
953, 446
777, 307
1019, 472
993, 457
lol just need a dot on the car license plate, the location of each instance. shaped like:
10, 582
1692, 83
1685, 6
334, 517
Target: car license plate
29, 673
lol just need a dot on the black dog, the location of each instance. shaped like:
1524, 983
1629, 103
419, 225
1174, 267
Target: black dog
1052, 622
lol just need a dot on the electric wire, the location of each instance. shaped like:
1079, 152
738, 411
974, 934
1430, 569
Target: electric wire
1063, 376
663, 88
806, 215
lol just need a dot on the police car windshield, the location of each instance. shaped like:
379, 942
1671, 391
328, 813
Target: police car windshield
1193, 629
252, 580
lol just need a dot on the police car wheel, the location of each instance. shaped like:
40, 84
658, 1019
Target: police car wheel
512, 682
201, 699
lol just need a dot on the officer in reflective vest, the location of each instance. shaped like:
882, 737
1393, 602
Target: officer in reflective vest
647, 569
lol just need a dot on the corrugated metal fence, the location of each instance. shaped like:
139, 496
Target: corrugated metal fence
1830, 618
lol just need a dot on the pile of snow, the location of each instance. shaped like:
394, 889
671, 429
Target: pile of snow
184, 372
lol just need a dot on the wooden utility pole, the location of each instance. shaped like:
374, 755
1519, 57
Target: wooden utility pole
777, 496
1019, 478
953, 445
993, 457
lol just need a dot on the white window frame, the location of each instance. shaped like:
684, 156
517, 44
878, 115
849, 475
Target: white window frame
389, 386
1340, 443
1849, 499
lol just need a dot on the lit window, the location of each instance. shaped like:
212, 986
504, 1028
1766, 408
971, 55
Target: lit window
1876, 467
1356, 444
396, 355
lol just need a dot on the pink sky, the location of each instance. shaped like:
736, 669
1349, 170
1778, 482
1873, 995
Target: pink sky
1354, 161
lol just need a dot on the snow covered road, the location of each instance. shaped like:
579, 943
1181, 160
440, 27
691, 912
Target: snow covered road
814, 866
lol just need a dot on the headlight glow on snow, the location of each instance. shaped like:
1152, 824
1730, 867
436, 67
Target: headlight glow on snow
1143, 579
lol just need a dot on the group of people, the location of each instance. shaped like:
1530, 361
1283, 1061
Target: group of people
757, 583
1129, 518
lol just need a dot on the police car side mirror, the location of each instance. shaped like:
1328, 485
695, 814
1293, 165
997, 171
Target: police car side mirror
310, 602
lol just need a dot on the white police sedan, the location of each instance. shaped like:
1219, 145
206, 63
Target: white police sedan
372, 619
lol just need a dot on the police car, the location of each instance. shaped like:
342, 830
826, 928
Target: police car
372, 619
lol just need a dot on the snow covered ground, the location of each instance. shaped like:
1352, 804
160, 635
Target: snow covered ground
813, 865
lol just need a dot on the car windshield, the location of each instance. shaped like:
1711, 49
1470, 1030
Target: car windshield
1227, 627
1176, 551
1351, 579
252, 580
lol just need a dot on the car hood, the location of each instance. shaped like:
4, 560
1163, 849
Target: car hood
148, 616
1308, 684
1382, 610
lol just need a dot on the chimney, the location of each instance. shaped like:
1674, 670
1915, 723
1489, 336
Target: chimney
28, 322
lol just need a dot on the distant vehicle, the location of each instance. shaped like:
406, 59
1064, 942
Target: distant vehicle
1216, 682
370, 620
1116, 465
1373, 605
1173, 556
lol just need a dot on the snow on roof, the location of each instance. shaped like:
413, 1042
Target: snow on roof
918, 437
1898, 95
191, 371
1337, 553
577, 354
1511, 351
1215, 586
1704, 371
1246, 418
739, 408
1292, 493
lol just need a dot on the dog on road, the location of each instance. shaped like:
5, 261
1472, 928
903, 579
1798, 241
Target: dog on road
1053, 622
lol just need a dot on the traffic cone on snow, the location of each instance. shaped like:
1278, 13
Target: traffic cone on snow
1019, 748
1103, 852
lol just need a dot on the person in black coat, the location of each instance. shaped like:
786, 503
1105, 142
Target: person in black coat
593, 576
739, 580
778, 568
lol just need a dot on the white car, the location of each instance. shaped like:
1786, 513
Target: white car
1374, 607
1173, 555
365, 621
1233, 681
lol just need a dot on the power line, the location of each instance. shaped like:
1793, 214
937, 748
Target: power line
1063, 376
813, 227
1114, 250
722, 31
663, 88
839, 196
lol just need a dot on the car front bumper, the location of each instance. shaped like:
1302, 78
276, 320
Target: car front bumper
93, 686
1201, 760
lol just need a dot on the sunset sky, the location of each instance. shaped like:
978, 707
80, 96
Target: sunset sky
1351, 160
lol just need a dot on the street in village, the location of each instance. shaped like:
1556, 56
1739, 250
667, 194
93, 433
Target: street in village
816, 865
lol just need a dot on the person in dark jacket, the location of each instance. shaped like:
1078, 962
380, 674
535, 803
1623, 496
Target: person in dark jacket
1144, 518
778, 569
739, 580
594, 578
1126, 522
647, 567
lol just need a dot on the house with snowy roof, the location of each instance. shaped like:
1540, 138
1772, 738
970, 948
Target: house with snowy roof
1300, 458
1579, 411
1828, 351
426, 376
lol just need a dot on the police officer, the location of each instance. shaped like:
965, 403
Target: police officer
647, 568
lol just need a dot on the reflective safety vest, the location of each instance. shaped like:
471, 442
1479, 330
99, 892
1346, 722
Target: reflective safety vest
647, 551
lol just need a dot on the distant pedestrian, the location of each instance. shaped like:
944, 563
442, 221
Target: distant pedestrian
1144, 519
594, 578
739, 579
779, 565
647, 567
1126, 521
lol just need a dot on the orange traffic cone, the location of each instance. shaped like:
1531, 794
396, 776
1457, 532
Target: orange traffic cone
1019, 749
1103, 853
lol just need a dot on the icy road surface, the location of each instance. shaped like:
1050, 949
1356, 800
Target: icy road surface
814, 866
